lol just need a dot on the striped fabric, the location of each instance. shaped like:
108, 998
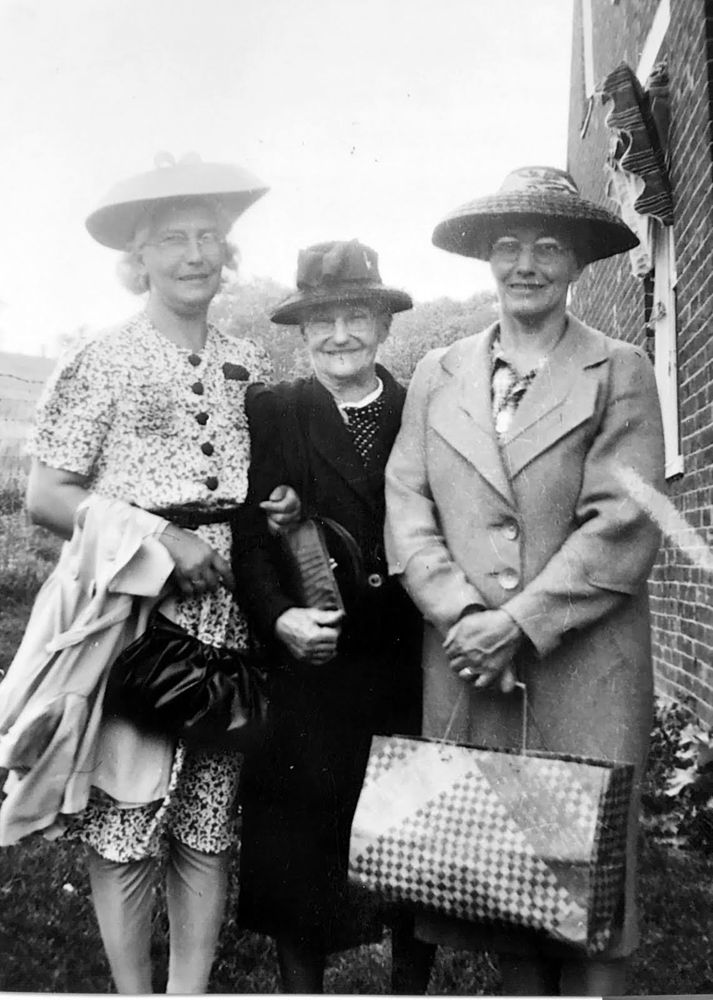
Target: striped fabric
638, 149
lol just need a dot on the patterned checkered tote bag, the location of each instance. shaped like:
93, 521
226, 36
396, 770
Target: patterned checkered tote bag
524, 839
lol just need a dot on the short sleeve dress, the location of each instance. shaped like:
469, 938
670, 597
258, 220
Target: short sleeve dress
160, 426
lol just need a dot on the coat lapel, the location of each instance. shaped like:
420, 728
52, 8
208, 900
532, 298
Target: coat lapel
561, 397
461, 411
329, 436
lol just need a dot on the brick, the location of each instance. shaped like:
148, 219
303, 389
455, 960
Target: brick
608, 296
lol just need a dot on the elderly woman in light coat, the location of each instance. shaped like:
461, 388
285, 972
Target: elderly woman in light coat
509, 526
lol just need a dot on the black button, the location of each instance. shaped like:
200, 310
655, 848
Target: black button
198, 388
207, 448
212, 483
202, 418
194, 359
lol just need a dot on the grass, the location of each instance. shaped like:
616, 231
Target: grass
49, 941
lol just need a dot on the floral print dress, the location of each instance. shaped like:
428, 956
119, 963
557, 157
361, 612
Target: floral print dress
160, 426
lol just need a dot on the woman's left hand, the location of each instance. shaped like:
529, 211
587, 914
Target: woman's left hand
283, 508
481, 647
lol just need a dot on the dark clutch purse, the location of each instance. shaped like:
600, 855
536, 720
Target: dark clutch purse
167, 681
323, 564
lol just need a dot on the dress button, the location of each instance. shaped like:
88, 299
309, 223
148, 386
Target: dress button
207, 448
508, 579
212, 483
375, 580
198, 388
194, 359
510, 529
202, 418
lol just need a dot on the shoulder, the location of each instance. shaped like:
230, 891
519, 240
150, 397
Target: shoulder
599, 343
624, 369
442, 360
96, 358
625, 354
246, 352
276, 401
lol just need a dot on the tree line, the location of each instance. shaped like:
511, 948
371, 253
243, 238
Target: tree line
242, 309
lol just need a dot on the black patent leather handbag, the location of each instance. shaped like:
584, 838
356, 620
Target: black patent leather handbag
169, 682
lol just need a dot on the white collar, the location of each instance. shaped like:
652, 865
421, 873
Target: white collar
366, 400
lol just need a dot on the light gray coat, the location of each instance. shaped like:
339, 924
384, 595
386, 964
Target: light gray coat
538, 523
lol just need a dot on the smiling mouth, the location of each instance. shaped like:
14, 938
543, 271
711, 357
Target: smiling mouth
521, 287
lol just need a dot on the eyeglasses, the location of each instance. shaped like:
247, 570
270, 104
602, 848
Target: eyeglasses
175, 245
545, 251
354, 322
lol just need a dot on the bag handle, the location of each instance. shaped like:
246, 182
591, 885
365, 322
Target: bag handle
352, 549
525, 711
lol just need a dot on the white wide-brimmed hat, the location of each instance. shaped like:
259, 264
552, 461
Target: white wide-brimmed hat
115, 221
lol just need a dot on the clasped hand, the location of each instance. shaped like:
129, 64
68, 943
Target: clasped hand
481, 647
199, 568
310, 634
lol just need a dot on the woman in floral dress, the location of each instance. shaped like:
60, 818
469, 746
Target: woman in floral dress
152, 412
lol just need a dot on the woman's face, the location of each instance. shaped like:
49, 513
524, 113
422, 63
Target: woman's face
342, 342
533, 268
183, 256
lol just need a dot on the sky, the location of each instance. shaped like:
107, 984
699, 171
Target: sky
369, 119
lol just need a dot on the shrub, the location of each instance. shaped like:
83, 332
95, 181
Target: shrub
677, 797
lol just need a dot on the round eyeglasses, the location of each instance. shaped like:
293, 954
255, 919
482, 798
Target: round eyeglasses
354, 322
546, 250
174, 245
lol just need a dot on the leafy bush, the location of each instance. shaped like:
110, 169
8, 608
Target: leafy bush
677, 798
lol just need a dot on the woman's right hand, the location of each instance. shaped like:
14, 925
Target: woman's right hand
310, 634
198, 568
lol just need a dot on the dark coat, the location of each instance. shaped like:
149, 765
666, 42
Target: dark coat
301, 789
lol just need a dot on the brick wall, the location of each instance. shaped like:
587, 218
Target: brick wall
609, 297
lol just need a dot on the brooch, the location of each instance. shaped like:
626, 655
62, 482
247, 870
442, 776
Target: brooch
235, 373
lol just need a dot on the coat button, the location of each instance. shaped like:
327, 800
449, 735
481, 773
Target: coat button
194, 359
202, 418
375, 580
198, 388
212, 483
508, 579
510, 529
207, 448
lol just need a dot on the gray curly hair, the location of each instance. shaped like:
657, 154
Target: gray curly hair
132, 275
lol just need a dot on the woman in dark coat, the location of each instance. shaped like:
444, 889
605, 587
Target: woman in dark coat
337, 681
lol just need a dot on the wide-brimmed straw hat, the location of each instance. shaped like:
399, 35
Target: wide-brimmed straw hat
533, 195
114, 222
341, 271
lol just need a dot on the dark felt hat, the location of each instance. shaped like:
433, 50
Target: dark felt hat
533, 195
114, 222
341, 271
